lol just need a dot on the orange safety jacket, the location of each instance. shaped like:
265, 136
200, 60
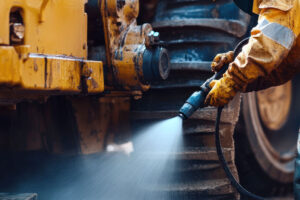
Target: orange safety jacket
271, 57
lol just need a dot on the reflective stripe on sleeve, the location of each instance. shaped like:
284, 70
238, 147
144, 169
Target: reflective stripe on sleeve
276, 32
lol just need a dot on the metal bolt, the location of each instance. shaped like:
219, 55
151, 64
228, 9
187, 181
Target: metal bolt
17, 32
153, 37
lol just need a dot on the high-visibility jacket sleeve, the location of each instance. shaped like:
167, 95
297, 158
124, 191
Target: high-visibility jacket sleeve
270, 43
283, 73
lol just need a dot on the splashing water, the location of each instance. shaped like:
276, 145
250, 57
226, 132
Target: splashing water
143, 173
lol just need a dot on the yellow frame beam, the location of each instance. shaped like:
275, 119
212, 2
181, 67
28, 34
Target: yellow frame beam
36, 72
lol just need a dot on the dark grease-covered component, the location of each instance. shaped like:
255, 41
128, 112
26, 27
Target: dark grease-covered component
95, 26
156, 64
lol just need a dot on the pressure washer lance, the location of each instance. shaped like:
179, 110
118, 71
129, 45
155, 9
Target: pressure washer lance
196, 101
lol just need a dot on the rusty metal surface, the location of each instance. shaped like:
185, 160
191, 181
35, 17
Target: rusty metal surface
101, 122
39, 74
69, 125
125, 44
92, 123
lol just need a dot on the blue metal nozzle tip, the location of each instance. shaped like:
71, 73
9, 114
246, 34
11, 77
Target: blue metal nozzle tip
182, 116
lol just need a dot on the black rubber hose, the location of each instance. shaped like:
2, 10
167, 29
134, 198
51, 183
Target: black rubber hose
233, 181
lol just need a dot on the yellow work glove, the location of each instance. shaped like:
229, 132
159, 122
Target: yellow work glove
222, 92
222, 59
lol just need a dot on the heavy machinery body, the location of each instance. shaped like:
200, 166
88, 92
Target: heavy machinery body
44, 48
72, 70
44, 52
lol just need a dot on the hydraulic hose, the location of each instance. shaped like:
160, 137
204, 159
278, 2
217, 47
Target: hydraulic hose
224, 164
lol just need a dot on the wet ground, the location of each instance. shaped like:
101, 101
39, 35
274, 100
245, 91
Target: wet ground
73, 177
99, 176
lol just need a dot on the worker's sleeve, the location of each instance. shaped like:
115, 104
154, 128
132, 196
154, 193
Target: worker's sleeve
270, 43
282, 74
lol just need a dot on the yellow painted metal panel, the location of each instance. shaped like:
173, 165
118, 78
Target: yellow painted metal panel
9, 62
48, 73
51, 26
62, 74
95, 81
32, 74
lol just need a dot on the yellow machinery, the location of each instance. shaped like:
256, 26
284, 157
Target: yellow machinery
69, 69
44, 52
50, 53
44, 47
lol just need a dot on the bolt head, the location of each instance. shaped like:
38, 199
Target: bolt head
153, 37
18, 32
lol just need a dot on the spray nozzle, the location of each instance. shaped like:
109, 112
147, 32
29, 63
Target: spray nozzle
195, 101
181, 115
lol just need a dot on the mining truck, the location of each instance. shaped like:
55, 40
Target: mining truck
78, 75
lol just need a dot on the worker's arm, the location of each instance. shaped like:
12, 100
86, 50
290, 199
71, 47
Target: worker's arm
270, 42
283, 73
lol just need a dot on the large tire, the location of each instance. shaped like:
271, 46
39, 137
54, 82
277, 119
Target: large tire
194, 32
266, 139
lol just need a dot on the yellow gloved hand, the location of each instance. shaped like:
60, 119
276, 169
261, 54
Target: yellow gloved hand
222, 59
222, 92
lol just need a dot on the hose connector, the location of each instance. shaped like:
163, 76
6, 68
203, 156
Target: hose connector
195, 101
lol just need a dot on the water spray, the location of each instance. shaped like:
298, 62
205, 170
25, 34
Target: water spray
196, 101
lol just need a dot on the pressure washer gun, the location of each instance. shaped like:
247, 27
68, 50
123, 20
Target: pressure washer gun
196, 100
